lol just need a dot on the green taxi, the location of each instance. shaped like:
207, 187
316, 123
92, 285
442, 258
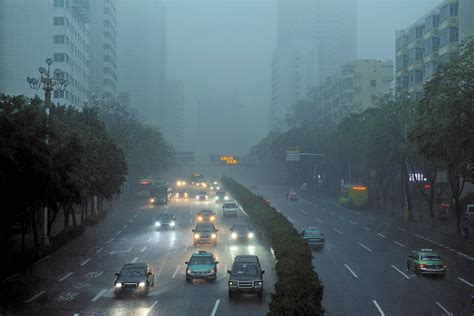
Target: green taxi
426, 261
201, 265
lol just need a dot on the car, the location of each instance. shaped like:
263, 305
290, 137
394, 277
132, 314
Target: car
304, 187
230, 208
202, 196
266, 200
205, 233
213, 185
221, 196
292, 196
469, 212
165, 220
242, 232
180, 183
206, 216
426, 261
253, 187
134, 278
246, 276
201, 265
313, 236
181, 194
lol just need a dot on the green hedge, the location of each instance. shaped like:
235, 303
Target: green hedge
298, 290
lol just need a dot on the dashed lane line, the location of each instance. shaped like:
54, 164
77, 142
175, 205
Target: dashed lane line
124, 226
318, 220
338, 231
399, 271
99, 295
381, 235
135, 260
83, 263
130, 221
216, 306
372, 218
151, 307
341, 217
378, 308
332, 213
365, 247
118, 233
99, 250
291, 220
350, 270
352, 222
176, 271
465, 282
65, 277
398, 244
366, 228
444, 309
34, 297
402, 229
110, 240
149, 239
465, 256
185, 248
143, 249
358, 213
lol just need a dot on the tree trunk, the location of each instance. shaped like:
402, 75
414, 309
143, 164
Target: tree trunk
66, 217
73, 213
456, 189
408, 205
34, 225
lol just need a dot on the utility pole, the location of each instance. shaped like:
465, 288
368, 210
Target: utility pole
49, 83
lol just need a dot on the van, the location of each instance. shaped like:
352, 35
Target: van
469, 212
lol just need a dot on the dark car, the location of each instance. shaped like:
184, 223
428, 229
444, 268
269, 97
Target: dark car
202, 196
165, 220
221, 196
201, 265
313, 236
253, 187
134, 278
206, 216
205, 233
292, 196
246, 276
181, 194
242, 232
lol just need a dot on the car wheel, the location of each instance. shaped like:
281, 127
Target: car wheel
408, 265
417, 270
231, 294
260, 294
188, 280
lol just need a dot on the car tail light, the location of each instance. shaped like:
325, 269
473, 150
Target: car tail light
445, 266
422, 266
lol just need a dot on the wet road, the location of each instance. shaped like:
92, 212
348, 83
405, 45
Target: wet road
78, 279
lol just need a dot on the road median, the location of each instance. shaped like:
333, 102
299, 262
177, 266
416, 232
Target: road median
298, 290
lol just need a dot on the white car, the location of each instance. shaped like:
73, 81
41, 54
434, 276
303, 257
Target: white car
304, 187
469, 212
230, 208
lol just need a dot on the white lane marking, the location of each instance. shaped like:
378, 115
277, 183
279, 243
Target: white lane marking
399, 271
130, 221
99, 250
110, 240
176, 271
65, 277
350, 270
191, 220
352, 222
365, 247
323, 209
118, 233
151, 307
372, 218
124, 226
465, 256
318, 220
385, 223
83, 263
378, 308
135, 215
291, 220
304, 212
214, 310
381, 235
135, 260
341, 217
143, 249
398, 244
358, 213
185, 248
332, 213
35, 297
402, 229
149, 239
466, 282
366, 228
99, 295
444, 309
338, 231
121, 251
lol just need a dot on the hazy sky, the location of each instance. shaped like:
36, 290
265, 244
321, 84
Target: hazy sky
224, 48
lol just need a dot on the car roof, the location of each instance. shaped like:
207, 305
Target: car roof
314, 229
204, 225
202, 253
206, 211
246, 259
241, 225
230, 201
202, 192
134, 265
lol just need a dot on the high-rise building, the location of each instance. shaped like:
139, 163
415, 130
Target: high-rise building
31, 32
142, 55
429, 41
172, 118
103, 48
325, 31
356, 86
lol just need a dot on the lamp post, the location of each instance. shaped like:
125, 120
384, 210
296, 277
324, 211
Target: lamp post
49, 83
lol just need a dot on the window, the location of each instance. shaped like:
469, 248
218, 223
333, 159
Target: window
59, 39
59, 57
373, 83
58, 3
419, 54
418, 76
453, 34
58, 20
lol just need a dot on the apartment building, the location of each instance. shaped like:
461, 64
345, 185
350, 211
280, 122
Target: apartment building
429, 41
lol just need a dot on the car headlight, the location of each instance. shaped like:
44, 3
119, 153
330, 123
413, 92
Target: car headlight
213, 236
196, 236
173, 223
260, 283
157, 224
234, 236
197, 198
231, 283
118, 285
183, 183
226, 198
141, 284
215, 182
207, 197
152, 200
177, 194
217, 188
200, 218
212, 188
216, 198
185, 195
204, 185
212, 218
251, 235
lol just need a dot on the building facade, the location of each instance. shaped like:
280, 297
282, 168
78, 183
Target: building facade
172, 117
356, 86
103, 49
31, 32
429, 41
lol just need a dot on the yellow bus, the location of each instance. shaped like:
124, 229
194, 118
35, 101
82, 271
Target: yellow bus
355, 196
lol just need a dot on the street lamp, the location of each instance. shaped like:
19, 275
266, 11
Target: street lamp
49, 83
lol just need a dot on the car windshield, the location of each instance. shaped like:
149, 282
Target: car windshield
240, 228
206, 212
245, 269
312, 233
204, 228
202, 193
200, 260
230, 205
165, 217
430, 257
129, 272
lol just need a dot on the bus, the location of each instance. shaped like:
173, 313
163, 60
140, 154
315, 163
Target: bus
354, 196
158, 192
197, 178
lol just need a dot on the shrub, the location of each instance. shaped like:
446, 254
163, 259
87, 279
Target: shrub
298, 290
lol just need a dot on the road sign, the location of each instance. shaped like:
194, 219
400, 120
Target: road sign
293, 154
